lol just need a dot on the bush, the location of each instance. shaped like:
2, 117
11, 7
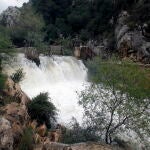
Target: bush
2, 81
5, 41
17, 76
26, 140
30, 23
67, 46
42, 110
77, 134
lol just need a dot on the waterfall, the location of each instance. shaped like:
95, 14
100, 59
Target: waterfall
61, 76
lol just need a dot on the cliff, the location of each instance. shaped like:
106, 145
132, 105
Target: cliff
132, 43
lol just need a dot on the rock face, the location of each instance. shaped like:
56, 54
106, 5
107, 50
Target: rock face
14, 117
10, 16
6, 136
14, 90
131, 43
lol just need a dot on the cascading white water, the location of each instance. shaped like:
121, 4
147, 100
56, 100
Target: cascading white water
62, 77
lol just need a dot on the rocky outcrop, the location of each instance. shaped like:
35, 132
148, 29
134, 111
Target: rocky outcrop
14, 118
10, 16
32, 54
131, 43
14, 90
6, 136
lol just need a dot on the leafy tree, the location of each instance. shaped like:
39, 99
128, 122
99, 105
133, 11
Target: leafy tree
69, 17
30, 23
2, 81
119, 102
5, 41
42, 110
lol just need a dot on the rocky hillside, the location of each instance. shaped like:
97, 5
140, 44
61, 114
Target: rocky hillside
132, 42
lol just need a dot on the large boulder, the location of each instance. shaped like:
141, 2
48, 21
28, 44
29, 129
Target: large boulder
6, 135
10, 17
131, 43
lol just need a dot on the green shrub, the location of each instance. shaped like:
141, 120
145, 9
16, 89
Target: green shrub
26, 140
77, 134
2, 81
5, 41
42, 110
18, 75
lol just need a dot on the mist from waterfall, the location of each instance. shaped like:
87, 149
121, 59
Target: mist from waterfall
61, 76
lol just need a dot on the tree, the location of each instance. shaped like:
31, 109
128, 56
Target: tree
5, 42
30, 23
76, 133
118, 102
42, 110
